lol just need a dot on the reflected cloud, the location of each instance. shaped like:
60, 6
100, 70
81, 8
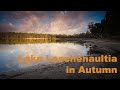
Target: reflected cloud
9, 53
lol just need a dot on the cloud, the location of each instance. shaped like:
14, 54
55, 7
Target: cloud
7, 28
55, 22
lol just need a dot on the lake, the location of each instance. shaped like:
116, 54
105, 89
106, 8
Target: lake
9, 53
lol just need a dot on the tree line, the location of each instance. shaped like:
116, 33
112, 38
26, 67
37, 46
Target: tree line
14, 35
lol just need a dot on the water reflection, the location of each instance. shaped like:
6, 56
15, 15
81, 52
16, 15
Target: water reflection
9, 53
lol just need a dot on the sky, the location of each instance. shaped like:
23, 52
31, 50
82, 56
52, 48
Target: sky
48, 22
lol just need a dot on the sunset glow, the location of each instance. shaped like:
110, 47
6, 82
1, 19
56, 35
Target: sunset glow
49, 22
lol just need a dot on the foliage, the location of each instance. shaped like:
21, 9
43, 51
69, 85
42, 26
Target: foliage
109, 26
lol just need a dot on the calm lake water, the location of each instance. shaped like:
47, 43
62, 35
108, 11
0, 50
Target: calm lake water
9, 53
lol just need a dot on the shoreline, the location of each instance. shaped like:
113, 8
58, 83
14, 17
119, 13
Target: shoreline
57, 70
